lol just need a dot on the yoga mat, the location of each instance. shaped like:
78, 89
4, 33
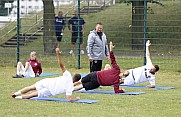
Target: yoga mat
48, 74
156, 87
44, 75
64, 100
109, 92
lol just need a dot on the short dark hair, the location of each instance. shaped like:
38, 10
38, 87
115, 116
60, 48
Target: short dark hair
76, 77
99, 23
156, 67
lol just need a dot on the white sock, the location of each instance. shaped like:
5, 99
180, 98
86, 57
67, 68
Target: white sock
17, 73
18, 92
18, 97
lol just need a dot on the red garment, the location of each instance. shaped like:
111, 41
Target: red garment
36, 65
111, 76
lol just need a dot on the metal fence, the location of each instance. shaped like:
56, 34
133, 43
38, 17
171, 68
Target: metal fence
127, 23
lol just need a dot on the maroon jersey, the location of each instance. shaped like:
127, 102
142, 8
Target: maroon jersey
111, 76
36, 65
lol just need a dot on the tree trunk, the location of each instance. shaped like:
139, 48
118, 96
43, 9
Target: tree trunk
137, 24
49, 29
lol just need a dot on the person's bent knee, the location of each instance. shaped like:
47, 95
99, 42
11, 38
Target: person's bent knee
27, 63
19, 63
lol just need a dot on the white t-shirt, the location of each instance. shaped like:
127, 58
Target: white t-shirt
140, 74
59, 85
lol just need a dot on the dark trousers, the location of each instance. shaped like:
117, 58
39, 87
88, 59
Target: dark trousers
95, 65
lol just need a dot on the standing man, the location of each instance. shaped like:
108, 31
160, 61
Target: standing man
32, 67
74, 30
97, 48
59, 27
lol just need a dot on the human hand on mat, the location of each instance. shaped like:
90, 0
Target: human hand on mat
150, 86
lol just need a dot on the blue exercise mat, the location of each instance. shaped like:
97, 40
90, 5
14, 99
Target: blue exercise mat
64, 100
48, 74
156, 87
109, 92
44, 75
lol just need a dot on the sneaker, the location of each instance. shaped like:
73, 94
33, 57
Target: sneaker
13, 95
71, 52
82, 52
18, 76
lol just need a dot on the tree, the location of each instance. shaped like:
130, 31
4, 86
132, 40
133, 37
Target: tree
137, 24
138, 21
49, 29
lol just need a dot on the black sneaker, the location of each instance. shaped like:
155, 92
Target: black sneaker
18, 76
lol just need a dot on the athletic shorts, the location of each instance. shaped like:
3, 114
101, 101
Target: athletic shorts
95, 65
29, 73
59, 36
90, 81
41, 89
75, 37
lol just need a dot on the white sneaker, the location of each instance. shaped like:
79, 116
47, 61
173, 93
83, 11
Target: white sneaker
71, 52
82, 52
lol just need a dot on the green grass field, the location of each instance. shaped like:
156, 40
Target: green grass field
155, 103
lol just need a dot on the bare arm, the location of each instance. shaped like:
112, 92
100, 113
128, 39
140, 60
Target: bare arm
83, 27
69, 27
148, 59
60, 60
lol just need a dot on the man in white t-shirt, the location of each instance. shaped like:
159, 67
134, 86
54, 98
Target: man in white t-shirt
141, 74
51, 86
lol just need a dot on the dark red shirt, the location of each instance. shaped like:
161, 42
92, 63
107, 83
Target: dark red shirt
111, 76
36, 65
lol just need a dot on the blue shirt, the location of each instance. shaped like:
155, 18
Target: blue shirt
59, 23
74, 22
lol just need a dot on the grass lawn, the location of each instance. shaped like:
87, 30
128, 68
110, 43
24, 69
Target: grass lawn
154, 103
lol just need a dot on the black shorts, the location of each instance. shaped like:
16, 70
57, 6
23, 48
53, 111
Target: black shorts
59, 36
90, 81
95, 65
75, 37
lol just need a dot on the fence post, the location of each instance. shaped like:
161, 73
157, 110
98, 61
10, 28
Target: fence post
145, 31
18, 30
78, 34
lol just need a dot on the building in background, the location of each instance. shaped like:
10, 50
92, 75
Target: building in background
28, 7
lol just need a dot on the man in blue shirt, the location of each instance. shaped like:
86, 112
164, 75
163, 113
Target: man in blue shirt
59, 27
74, 30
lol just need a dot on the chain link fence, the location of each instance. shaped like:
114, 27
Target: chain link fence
127, 23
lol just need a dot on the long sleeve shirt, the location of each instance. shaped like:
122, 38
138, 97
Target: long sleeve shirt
36, 65
111, 76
